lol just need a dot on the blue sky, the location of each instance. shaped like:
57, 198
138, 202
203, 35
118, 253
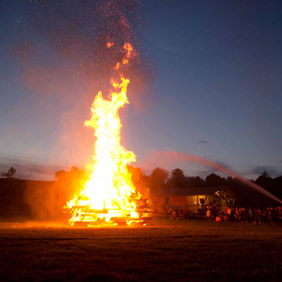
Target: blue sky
213, 88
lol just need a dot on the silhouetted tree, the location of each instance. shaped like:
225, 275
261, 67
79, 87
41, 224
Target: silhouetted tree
177, 179
215, 180
194, 181
277, 187
10, 174
158, 179
265, 181
273, 185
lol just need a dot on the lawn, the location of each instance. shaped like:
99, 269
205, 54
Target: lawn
167, 251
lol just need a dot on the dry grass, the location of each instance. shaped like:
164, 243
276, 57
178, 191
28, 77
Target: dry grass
167, 251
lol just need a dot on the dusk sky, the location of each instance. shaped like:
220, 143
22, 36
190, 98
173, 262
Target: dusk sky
209, 84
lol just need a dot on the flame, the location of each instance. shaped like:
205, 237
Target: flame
109, 193
110, 44
117, 67
130, 53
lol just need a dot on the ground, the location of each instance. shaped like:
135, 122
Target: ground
167, 251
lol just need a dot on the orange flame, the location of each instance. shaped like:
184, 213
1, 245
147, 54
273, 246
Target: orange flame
129, 53
117, 67
110, 44
109, 193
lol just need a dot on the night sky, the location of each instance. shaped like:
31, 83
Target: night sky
208, 83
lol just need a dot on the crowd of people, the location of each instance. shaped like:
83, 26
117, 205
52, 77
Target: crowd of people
214, 213
255, 215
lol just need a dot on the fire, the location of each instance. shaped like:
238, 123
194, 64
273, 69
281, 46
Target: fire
110, 44
109, 195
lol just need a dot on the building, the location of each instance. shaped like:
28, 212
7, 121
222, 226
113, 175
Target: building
194, 200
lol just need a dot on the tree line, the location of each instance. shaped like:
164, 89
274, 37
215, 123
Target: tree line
162, 180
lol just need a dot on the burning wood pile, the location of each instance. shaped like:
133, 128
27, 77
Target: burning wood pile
86, 216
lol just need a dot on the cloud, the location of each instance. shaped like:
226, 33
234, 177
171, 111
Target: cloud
203, 142
273, 171
29, 170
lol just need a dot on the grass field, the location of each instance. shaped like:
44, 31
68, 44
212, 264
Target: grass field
166, 251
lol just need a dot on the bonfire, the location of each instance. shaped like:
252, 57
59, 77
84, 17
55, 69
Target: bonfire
109, 196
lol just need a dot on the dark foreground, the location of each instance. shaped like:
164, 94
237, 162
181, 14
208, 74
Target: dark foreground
167, 251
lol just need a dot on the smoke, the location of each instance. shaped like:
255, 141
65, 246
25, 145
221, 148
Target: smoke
28, 170
168, 157
77, 32
65, 62
46, 200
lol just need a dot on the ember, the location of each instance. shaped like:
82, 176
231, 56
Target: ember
109, 196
